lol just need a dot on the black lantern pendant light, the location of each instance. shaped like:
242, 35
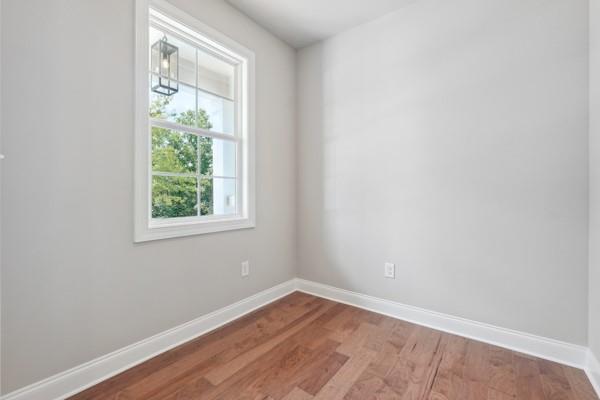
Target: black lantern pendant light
165, 68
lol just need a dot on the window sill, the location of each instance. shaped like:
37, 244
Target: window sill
174, 229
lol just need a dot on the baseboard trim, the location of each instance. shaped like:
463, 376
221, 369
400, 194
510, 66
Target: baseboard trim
549, 349
77, 379
593, 371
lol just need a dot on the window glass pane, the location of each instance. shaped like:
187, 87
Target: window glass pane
217, 157
206, 196
224, 157
187, 56
224, 196
174, 151
174, 196
218, 196
215, 75
206, 156
217, 112
178, 107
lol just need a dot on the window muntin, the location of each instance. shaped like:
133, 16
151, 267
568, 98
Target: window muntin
194, 136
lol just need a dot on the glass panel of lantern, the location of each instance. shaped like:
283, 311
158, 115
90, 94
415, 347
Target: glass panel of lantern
164, 65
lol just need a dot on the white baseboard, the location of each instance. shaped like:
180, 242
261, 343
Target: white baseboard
549, 349
593, 371
86, 375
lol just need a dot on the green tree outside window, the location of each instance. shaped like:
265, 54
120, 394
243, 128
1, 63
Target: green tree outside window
180, 152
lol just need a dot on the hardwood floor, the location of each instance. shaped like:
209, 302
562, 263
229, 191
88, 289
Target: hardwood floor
307, 348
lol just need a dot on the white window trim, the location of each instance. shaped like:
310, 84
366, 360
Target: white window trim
145, 229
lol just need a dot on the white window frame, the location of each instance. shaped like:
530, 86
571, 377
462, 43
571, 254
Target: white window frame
145, 227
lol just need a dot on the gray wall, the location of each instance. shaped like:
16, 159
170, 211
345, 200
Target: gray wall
450, 138
74, 285
594, 322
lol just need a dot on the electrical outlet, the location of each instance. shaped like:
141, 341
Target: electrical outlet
390, 271
245, 268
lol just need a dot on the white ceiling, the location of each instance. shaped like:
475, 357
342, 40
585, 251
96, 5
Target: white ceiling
302, 22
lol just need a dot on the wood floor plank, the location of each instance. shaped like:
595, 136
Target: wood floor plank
417, 360
253, 373
392, 346
423, 375
554, 381
358, 339
579, 382
344, 324
251, 378
298, 394
219, 374
476, 372
476, 362
303, 347
189, 392
502, 377
342, 381
378, 339
276, 379
369, 317
109, 388
282, 379
494, 394
449, 383
528, 378
318, 375
325, 319
221, 352
371, 386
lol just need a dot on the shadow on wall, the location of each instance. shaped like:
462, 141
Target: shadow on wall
331, 224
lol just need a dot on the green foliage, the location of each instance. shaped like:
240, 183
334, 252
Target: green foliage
173, 196
179, 152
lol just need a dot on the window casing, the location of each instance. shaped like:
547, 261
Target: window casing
194, 166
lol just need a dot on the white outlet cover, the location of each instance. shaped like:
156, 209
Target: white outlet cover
390, 271
245, 268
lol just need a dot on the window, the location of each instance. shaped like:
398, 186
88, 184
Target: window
194, 169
